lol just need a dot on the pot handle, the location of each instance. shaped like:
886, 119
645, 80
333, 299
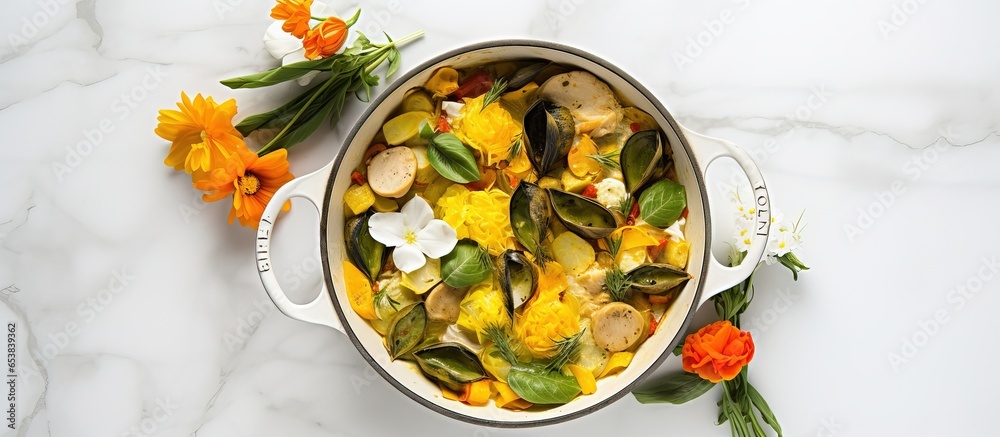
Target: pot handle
720, 277
320, 311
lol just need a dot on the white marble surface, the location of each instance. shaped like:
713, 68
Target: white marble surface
139, 311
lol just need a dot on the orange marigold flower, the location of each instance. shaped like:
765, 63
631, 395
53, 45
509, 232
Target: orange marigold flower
202, 134
717, 352
296, 14
251, 181
325, 39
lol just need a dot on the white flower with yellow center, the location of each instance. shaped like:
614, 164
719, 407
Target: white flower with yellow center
414, 232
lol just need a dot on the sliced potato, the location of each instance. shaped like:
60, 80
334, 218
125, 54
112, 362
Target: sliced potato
572, 252
404, 126
444, 81
617, 326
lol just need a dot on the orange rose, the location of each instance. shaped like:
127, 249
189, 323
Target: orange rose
717, 352
296, 14
325, 39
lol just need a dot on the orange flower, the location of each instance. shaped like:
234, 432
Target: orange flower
717, 352
325, 39
202, 134
296, 14
252, 182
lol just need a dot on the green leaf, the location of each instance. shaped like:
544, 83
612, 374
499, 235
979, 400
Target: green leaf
662, 203
535, 384
498, 88
765, 410
452, 159
676, 389
467, 264
280, 74
793, 263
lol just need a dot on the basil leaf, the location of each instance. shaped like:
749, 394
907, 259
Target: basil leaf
676, 388
452, 159
535, 384
765, 410
467, 264
662, 203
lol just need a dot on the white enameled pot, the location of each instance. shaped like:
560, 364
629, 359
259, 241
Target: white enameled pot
692, 153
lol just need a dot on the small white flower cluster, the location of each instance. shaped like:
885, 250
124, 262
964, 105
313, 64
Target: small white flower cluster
784, 237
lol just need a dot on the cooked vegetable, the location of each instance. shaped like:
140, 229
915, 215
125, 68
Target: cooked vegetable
477, 393
617, 326
404, 126
580, 162
359, 198
618, 362
425, 173
676, 253
588, 385
574, 184
392, 172
384, 204
359, 291
574, 253
418, 100
444, 303
422, 279
444, 81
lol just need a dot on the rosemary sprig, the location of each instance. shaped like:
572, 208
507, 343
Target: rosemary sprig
498, 335
608, 160
515, 149
381, 296
498, 88
616, 282
566, 350
625, 205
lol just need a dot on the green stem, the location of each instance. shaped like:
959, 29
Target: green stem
382, 55
267, 147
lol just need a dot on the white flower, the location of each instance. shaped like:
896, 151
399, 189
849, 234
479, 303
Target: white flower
744, 235
414, 232
287, 47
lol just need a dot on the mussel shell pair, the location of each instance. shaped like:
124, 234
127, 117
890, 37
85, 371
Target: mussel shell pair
518, 279
532, 207
368, 255
548, 135
657, 278
641, 158
450, 364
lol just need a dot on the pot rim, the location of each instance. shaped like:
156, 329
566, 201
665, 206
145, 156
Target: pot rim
383, 95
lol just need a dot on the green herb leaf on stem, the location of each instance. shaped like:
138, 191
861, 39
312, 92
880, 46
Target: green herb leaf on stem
498, 88
536, 384
467, 264
676, 388
662, 203
452, 159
